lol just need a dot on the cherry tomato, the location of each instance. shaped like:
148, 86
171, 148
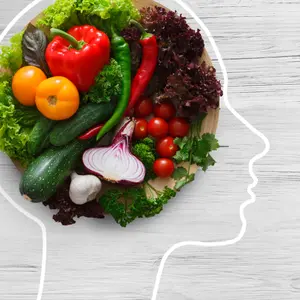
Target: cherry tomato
163, 167
141, 129
144, 108
179, 127
166, 147
25, 83
165, 111
158, 128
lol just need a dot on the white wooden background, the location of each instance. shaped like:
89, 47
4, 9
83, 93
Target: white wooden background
260, 44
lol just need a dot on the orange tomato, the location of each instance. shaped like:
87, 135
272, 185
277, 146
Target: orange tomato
25, 82
57, 98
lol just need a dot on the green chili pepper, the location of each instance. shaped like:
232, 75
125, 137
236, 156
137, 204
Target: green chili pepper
121, 53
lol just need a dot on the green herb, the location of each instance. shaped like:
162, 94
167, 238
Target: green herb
11, 57
136, 204
194, 149
182, 177
107, 84
16, 123
103, 14
34, 45
145, 151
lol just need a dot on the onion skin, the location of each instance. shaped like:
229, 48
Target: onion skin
116, 163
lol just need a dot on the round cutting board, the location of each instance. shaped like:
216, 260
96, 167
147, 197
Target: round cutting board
209, 124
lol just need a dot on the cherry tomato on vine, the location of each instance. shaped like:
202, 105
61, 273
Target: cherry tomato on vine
166, 147
163, 167
141, 129
165, 111
144, 108
158, 128
179, 127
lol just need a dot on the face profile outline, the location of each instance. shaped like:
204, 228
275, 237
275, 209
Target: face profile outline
181, 244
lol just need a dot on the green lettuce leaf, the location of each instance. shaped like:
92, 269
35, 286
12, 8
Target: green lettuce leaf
16, 123
11, 58
103, 14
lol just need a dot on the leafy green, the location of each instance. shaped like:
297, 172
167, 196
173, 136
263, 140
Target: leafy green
61, 14
103, 14
135, 203
106, 13
179, 173
145, 151
107, 84
11, 57
16, 123
182, 177
196, 150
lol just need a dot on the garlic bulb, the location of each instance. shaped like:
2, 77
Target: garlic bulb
84, 188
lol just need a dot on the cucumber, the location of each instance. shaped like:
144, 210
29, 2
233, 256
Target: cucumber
39, 137
43, 176
86, 117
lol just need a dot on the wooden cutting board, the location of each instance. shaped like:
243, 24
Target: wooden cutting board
209, 125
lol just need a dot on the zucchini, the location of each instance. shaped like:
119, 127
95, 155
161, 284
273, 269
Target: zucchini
47, 172
86, 117
39, 137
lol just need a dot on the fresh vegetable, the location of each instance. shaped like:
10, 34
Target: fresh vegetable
116, 163
163, 167
91, 132
11, 58
178, 77
61, 14
107, 85
78, 55
178, 43
43, 176
121, 54
57, 98
39, 136
64, 14
139, 202
34, 45
179, 127
141, 129
25, 83
147, 67
16, 122
193, 89
145, 151
195, 150
66, 211
84, 188
109, 13
165, 111
182, 177
86, 117
166, 147
144, 108
158, 128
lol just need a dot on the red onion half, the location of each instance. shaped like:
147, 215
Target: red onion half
116, 163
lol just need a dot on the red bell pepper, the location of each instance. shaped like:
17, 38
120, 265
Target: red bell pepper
78, 55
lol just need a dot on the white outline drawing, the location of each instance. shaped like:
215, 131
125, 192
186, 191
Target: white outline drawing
184, 243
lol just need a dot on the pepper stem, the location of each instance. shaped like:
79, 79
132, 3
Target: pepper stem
138, 25
145, 34
73, 42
